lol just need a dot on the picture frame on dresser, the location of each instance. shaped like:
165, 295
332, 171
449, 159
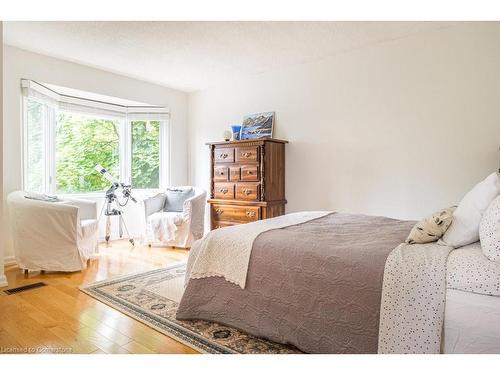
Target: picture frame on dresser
247, 181
257, 126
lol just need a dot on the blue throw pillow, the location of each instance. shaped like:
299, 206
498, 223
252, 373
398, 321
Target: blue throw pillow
175, 198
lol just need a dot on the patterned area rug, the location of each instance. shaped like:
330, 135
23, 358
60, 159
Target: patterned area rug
152, 298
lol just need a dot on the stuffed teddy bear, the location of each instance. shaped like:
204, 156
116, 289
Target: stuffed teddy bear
431, 228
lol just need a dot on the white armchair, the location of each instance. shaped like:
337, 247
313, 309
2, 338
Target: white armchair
178, 229
53, 236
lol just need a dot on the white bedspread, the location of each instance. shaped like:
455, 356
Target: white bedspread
469, 270
413, 299
225, 252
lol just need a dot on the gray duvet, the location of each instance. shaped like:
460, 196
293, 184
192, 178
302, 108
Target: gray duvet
315, 285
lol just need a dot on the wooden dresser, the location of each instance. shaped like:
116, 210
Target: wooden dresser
247, 181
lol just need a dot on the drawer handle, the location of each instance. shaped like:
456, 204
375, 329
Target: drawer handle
251, 213
246, 154
223, 191
221, 173
249, 172
219, 211
247, 191
223, 156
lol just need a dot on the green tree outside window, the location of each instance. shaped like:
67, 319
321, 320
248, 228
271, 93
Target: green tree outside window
145, 154
81, 143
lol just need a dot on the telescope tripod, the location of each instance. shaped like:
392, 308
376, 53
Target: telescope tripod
108, 211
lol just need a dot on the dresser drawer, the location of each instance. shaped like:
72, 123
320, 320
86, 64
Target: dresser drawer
249, 173
234, 173
234, 214
224, 191
221, 173
247, 154
247, 191
224, 155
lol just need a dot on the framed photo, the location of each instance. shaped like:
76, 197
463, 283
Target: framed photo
258, 125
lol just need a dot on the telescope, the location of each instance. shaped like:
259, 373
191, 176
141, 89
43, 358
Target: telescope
99, 168
111, 198
126, 189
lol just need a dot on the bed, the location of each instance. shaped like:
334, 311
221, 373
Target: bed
338, 283
472, 313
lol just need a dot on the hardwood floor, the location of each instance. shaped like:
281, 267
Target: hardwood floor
59, 318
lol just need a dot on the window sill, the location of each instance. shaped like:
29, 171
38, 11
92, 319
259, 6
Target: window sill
101, 194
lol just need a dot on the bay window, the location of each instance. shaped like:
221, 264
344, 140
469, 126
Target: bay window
81, 142
35, 119
145, 170
65, 137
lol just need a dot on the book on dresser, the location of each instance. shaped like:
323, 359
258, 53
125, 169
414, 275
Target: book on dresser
247, 181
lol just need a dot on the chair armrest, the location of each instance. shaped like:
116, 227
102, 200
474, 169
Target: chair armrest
86, 209
194, 213
194, 201
153, 204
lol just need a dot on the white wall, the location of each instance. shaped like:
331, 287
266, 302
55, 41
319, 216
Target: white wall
399, 129
3, 281
23, 64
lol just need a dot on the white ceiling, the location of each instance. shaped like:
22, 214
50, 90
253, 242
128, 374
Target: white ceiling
194, 55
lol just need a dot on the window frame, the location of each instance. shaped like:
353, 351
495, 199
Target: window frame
125, 149
48, 171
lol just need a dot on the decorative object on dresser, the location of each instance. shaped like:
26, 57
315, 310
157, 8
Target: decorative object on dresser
257, 126
247, 181
236, 129
228, 134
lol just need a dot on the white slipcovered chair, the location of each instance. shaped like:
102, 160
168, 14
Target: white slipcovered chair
53, 236
177, 229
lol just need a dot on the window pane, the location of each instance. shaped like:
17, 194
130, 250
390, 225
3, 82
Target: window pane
81, 143
35, 115
145, 154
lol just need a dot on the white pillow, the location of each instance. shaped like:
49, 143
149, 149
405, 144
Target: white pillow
176, 198
489, 231
464, 228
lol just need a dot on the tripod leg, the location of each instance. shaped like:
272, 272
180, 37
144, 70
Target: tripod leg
120, 226
131, 240
108, 229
